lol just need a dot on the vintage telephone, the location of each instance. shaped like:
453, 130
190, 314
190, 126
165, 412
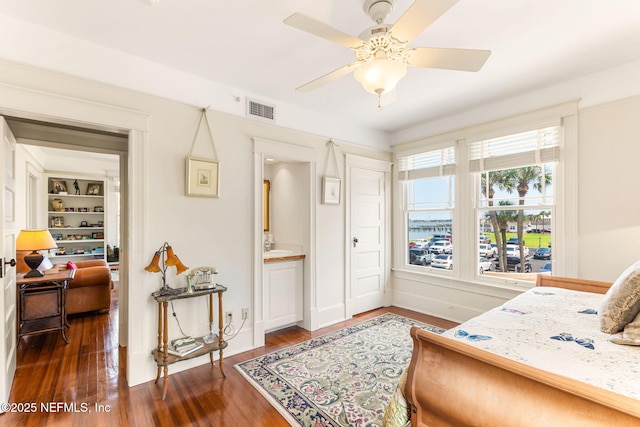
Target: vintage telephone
202, 276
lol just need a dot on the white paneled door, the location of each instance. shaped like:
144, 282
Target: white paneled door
368, 227
7, 253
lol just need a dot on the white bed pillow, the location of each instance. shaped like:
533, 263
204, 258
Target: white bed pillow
621, 303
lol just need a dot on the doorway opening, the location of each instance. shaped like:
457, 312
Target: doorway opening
50, 149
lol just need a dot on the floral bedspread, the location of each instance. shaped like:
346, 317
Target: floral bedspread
556, 330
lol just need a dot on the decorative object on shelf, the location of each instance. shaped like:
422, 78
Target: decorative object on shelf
59, 186
57, 222
34, 241
70, 209
202, 175
331, 184
201, 277
98, 209
168, 258
77, 187
84, 224
57, 205
83, 209
94, 189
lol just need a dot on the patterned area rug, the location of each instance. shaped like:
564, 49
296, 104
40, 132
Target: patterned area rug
344, 378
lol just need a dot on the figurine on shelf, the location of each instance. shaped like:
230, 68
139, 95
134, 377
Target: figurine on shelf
77, 187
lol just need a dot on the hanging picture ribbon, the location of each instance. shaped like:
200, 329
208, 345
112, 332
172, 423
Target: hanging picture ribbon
331, 184
202, 174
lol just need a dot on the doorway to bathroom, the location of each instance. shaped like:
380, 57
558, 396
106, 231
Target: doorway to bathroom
290, 170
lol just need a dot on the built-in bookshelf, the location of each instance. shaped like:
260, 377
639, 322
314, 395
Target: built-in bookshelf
76, 218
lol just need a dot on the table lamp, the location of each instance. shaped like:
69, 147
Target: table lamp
34, 241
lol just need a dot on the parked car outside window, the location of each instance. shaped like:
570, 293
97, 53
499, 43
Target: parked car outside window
487, 251
513, 264
485, 265
441, 247
420, 256
546, 268
514, 250
542, 253
443, 261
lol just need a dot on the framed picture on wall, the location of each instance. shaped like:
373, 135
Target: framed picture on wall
202, 177
330, 191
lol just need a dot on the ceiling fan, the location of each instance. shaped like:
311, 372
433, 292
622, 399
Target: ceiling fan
381, 50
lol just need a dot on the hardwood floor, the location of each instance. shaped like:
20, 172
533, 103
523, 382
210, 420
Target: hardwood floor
79, 379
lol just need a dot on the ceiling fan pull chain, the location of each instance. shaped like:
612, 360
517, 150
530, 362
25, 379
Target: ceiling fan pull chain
379, 101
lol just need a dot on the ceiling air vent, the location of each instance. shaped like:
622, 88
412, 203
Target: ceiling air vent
260, 111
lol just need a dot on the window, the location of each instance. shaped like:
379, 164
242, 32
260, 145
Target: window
428, 183
515, 206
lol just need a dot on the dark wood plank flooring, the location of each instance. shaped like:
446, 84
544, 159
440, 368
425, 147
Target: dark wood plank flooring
80, 379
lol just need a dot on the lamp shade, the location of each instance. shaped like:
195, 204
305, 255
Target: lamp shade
380, 75
153, 266
35, 240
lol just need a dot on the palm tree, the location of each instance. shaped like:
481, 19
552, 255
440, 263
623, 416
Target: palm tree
503, 218
522, 177
487, 182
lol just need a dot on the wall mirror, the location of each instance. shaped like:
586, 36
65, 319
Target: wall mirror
266, 188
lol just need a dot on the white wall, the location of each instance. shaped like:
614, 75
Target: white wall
609, 206
202, 231
289, 203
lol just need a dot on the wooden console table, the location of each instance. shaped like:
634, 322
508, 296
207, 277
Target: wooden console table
160, 354
42, 303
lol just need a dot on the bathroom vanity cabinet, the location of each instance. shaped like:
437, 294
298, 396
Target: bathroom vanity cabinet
283, 282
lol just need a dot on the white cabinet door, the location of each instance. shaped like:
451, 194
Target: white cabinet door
282, 294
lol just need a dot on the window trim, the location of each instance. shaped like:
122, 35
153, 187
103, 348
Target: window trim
565, 192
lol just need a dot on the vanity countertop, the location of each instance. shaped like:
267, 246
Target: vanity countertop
277, 256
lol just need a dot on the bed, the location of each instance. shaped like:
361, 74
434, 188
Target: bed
455, 381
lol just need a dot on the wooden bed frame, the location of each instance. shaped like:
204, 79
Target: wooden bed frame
453, 384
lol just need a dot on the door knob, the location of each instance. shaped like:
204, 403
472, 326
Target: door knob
355, 240
12, 263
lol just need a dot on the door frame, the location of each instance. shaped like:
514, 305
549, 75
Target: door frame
49, 107
262, 149
352, 162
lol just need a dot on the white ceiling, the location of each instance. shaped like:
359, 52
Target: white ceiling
244, 44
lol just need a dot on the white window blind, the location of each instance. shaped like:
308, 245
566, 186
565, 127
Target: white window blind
521, 149
427, 165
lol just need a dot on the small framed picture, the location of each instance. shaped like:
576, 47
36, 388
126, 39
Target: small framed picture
59, 186
56, 236
94, 189
57, 222
330, 191
83, 209
97, 235
69, 209
202, 177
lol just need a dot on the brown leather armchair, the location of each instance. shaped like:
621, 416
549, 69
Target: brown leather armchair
90, 289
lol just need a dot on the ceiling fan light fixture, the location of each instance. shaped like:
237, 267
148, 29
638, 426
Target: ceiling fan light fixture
380, 75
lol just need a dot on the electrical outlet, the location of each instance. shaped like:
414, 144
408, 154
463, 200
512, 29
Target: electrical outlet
245, 313
229, 317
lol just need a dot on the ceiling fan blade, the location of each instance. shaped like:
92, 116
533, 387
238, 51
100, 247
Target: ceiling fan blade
418, 17
342, 71
320, 29
449, 59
